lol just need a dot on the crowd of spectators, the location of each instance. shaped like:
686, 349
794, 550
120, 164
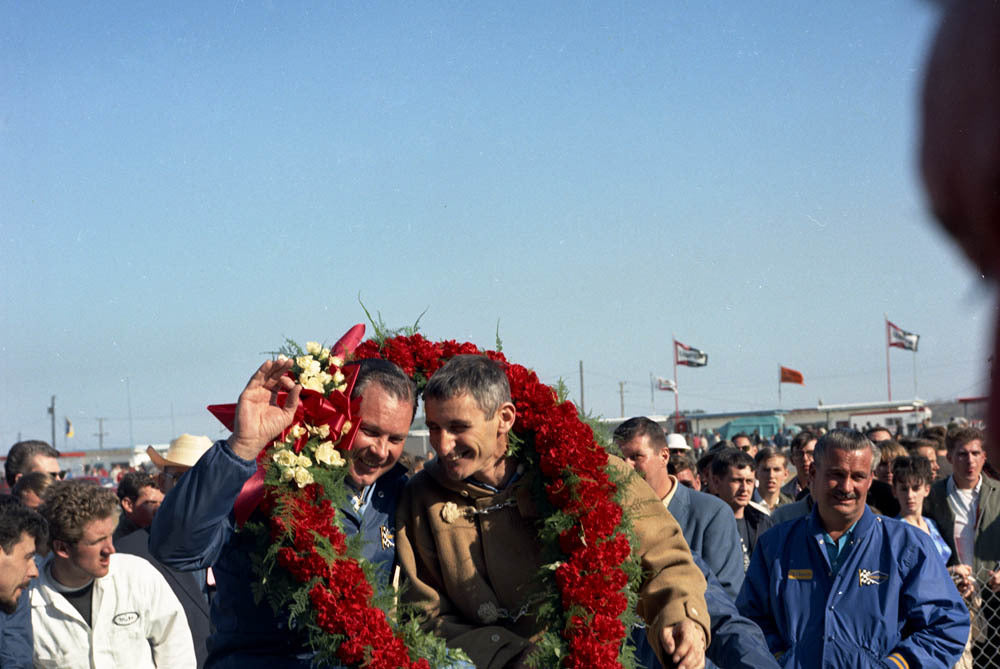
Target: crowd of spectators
770, 528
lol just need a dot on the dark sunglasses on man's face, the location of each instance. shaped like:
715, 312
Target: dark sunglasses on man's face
59, 476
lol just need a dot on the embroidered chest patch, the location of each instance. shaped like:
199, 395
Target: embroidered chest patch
124, 619
800, 574
388, 537
871, 577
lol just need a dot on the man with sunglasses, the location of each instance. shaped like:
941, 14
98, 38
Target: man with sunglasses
29, 456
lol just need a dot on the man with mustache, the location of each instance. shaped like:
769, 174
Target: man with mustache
843, 588
195, 527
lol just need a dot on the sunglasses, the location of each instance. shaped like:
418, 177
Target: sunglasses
59, 476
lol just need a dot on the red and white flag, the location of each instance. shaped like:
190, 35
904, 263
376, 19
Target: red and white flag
688, 355
900, 338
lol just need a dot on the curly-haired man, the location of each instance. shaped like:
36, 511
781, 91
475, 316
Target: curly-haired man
95, 608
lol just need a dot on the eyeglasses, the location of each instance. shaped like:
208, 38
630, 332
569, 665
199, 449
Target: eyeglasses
59, 476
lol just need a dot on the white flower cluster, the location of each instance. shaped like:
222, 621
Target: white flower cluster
318, 451
311, 373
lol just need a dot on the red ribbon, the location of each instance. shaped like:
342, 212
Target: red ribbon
349, 341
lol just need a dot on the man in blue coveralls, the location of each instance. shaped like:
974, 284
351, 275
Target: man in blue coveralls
195, 526
842, 587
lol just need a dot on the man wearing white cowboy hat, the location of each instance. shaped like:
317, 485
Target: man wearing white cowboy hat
183, 453
677, 444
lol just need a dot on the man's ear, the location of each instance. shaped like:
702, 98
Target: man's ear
506, 414
665, 452
128, 505
60, 548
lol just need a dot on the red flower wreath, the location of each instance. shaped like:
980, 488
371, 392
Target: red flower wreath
306, 567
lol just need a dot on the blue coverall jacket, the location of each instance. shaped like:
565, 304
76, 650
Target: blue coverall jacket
892, 604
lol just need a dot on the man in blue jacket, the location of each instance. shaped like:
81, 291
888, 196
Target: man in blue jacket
706, 521
842, 587
708, 525
195, 526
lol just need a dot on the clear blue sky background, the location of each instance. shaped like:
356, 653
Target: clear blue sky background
182, 185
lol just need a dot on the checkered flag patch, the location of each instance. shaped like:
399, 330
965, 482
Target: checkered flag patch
871, 577
388, 538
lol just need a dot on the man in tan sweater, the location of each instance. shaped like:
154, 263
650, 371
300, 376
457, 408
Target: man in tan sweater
468, 541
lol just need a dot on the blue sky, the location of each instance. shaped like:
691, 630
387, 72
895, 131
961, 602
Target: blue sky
184, 185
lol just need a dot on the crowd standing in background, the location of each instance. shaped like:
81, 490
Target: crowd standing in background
71, 570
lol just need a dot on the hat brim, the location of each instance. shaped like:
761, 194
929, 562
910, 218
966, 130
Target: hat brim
159, 461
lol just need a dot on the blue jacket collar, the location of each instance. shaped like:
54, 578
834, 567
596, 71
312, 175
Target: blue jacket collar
863, 526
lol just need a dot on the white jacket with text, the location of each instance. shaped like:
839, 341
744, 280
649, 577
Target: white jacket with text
137, 622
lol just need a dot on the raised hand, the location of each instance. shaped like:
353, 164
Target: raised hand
259, 417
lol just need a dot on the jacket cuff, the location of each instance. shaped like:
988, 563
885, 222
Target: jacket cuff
250, 465
896, 661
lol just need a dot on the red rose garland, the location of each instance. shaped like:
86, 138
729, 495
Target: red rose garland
306, 567
591, 582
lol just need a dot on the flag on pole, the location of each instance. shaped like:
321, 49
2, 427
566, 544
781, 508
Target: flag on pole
69, 429
687, 355
789, 375
666, 384
900, 338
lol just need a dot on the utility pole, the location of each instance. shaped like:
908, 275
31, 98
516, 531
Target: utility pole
100, 433
52, 414
581, 387
621, 396
128, 396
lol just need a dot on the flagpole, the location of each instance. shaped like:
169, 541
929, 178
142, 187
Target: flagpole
677, 393
779, 386
888, 369
652, 399
914, 374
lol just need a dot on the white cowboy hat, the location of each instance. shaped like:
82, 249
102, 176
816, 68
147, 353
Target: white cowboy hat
677, 442
184, 451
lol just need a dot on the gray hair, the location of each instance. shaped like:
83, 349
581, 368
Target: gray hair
844, 439
389, 376
477, 375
